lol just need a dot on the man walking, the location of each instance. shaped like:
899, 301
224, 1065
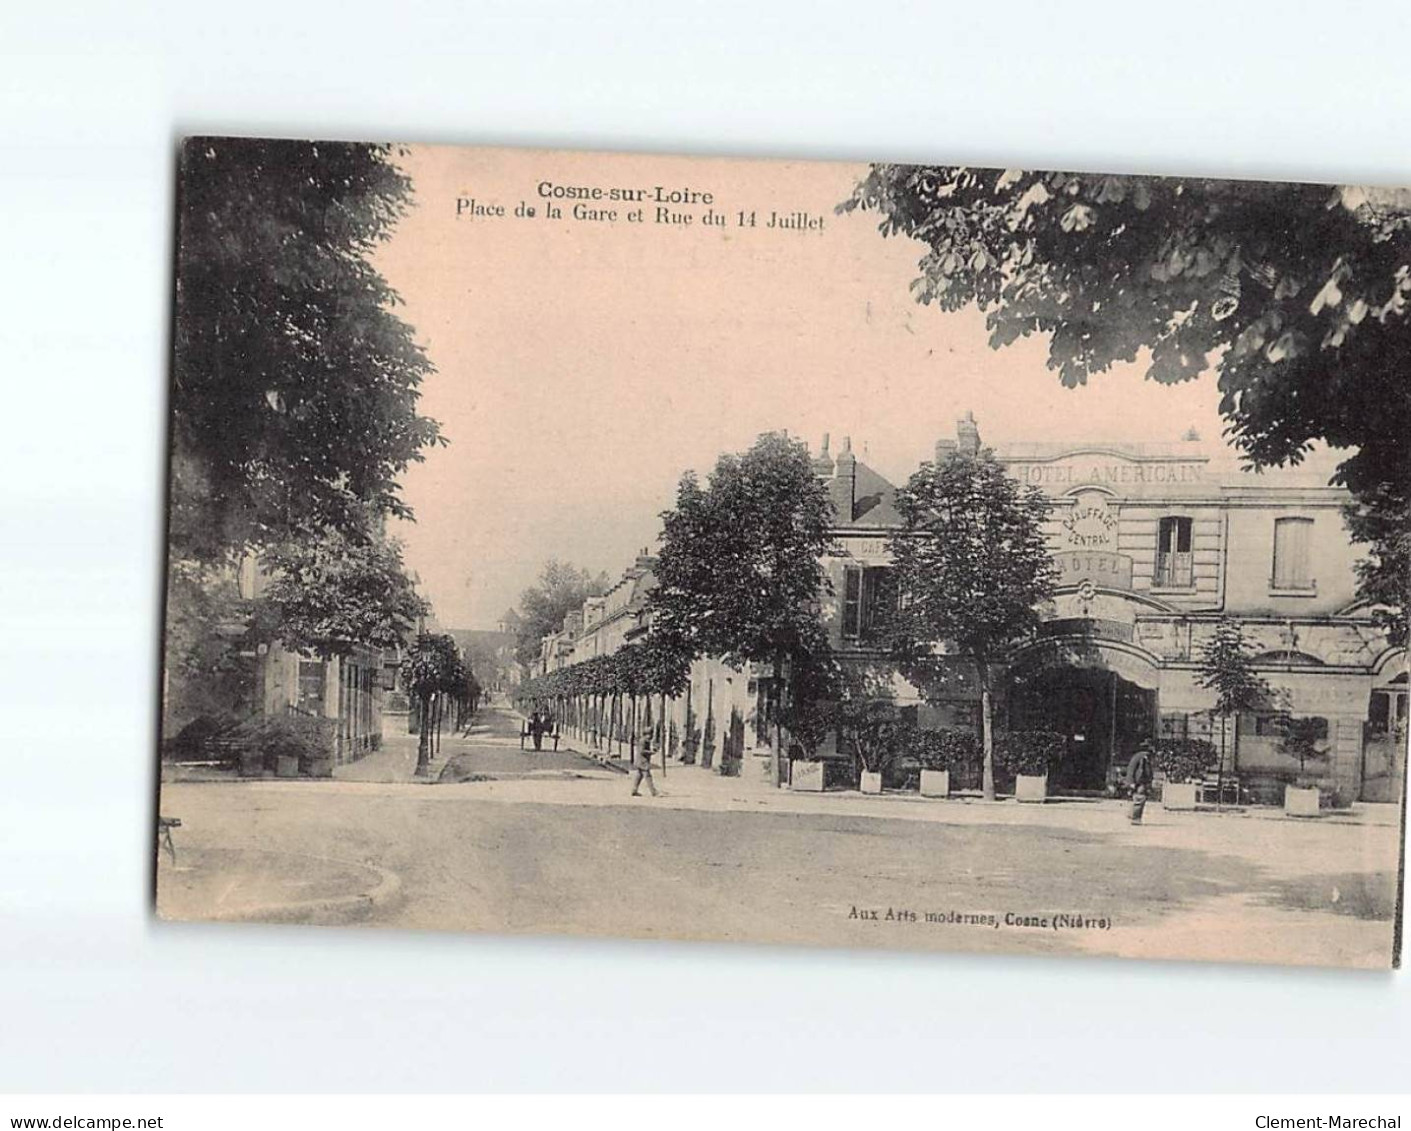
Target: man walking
1139, 777
642, 769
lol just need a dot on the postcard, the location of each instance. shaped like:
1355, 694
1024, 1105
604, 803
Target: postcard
866, 556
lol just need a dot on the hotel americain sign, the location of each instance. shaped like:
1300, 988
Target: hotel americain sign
1106, 471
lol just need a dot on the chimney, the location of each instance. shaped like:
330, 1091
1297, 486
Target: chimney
823, 463
967, 434
843, 487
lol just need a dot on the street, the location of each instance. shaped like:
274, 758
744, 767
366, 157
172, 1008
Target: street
518, 842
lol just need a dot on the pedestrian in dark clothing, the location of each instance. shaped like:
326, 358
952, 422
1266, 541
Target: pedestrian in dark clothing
642, 769
1140, 773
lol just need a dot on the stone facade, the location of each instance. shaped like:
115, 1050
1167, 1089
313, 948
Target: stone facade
1155, 544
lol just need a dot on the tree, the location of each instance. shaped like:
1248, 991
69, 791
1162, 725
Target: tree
1296, 294
329, 593
294, 390
431, 668
294, 385
971, 564
562, 588
1226, 669
740, 570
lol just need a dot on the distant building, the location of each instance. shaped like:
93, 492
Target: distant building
491, 655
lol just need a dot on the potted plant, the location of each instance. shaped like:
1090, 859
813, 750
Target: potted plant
1305, 740
869, 730
1183, 763
1028, 755
938, 751
807, 774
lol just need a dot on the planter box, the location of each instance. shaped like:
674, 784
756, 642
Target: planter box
287, 766
1180, 795
935, 783
1302, 802
1031, 787
321, 767
252, 763
806, 776
870, 783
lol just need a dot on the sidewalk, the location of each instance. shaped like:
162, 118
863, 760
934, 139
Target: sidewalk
395, 761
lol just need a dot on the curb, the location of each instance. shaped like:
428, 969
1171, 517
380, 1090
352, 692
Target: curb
328, 911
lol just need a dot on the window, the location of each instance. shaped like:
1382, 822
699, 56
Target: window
1388, 712
1173, 554
852, 602
311, 687
1292, 537
867, 595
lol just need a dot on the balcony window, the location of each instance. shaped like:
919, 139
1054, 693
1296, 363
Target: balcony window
1174, 561
1292, 539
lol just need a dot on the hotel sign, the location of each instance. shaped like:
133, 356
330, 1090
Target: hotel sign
1079, 470
1110, 571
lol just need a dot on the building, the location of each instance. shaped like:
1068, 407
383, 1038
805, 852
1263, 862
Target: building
348, 690
1155, 543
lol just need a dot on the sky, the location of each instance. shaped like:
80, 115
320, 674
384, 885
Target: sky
584, 364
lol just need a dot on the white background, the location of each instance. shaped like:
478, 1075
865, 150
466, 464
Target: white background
94, 996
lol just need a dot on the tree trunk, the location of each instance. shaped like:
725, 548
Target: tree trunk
776, 752
987, 732
423, 751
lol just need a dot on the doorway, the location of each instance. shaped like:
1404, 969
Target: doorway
1102, 716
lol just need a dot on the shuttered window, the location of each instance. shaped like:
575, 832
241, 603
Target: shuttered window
852, 602
1292, 540
1174, 562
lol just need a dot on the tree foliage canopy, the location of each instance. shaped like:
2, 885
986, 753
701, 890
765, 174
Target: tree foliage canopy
740, 572
329, 592
971, 561
1227, 668
294, 384
562, 587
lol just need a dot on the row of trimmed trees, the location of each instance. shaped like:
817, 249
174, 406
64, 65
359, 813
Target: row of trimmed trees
611, 697
438, 680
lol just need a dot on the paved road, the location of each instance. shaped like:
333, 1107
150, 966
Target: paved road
469, 859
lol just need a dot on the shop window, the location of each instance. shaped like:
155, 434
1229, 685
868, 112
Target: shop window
1387, 713
311, 687
1292, 540
1174, 561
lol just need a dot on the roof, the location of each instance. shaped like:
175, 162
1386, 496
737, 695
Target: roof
873, 498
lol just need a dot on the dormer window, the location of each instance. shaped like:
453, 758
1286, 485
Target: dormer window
1293, 538
1174, 561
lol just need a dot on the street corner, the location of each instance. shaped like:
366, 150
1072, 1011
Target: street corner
263, 886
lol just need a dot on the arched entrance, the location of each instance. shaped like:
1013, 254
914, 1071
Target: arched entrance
1101, 697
